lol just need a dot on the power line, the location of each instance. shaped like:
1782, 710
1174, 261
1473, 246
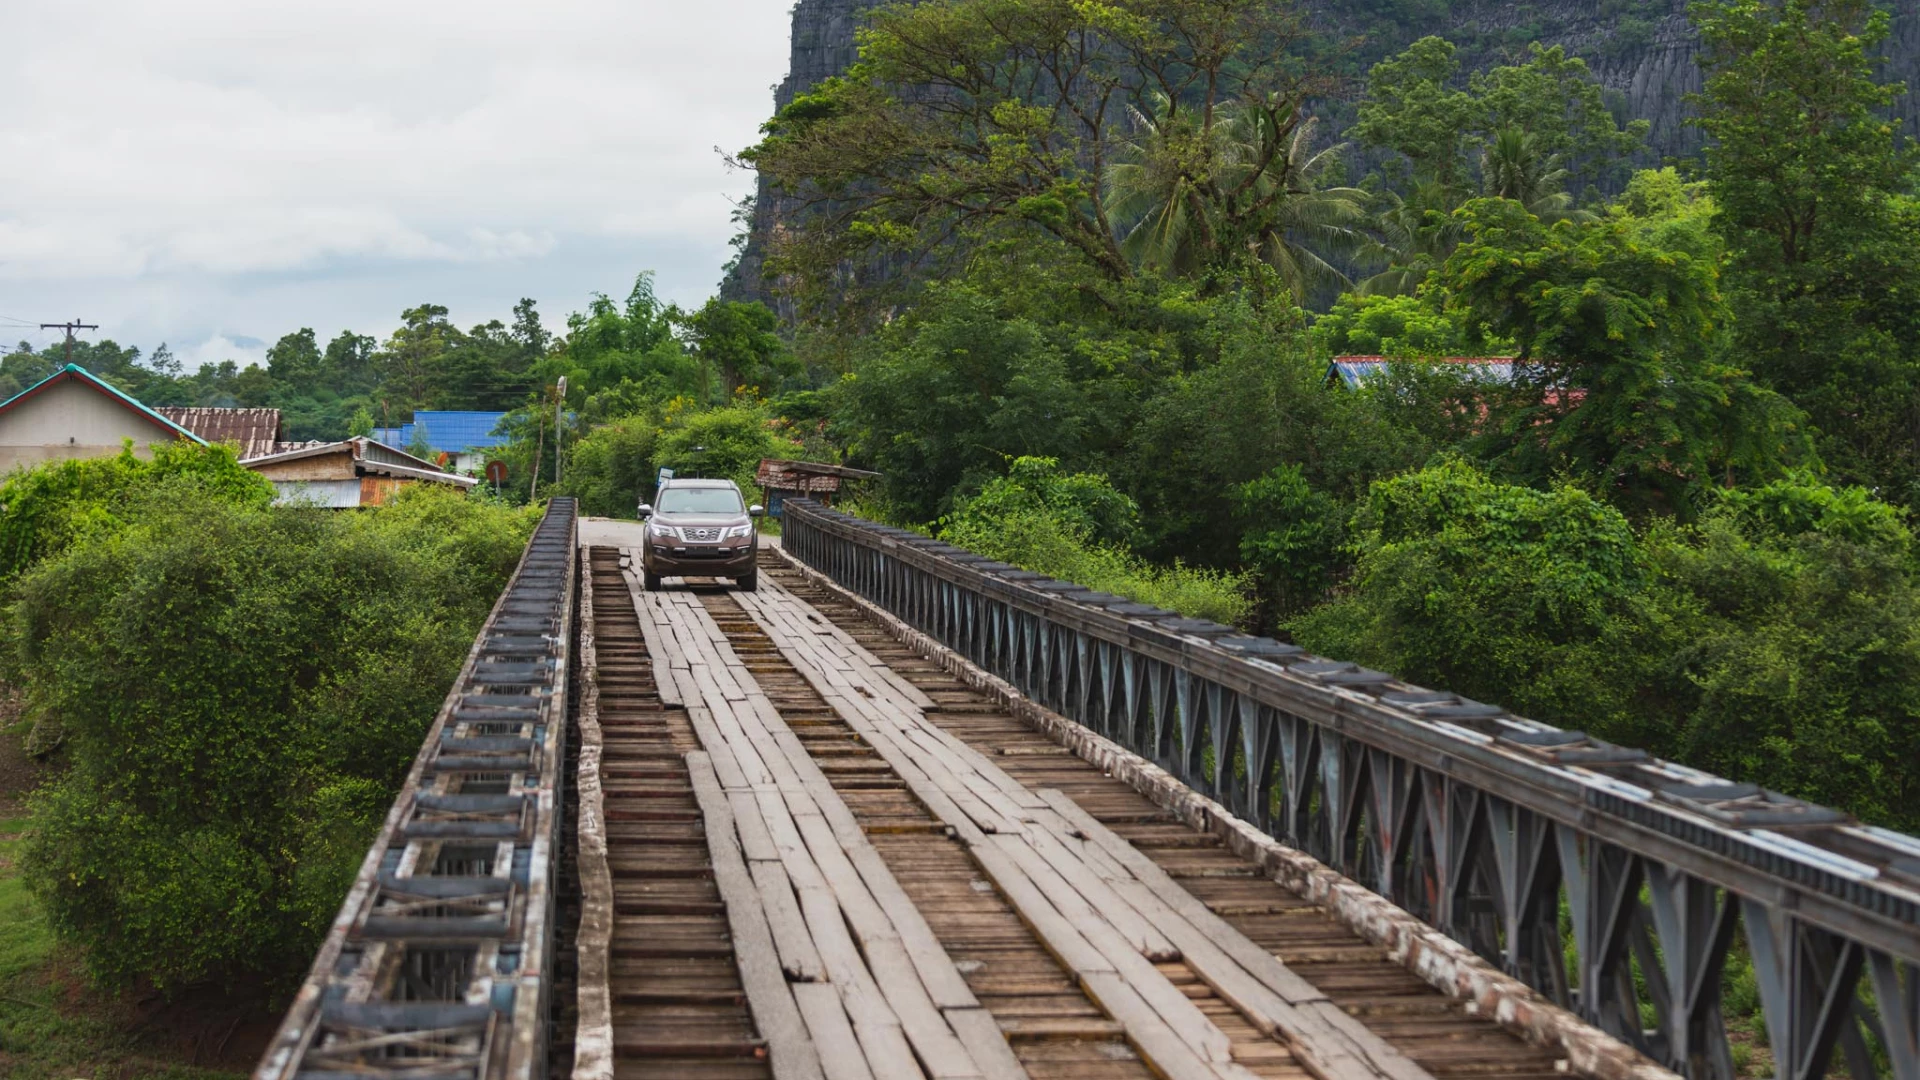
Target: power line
69, 327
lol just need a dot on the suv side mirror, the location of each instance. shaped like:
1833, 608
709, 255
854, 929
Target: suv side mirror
756, 510
646, 511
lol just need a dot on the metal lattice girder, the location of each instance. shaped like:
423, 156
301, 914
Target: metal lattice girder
437, 967
1617, 884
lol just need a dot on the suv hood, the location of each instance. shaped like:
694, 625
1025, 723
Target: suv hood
700, 520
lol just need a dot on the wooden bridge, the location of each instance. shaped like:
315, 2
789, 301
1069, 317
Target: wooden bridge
875, 820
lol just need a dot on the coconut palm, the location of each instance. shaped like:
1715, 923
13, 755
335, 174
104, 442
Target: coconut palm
1514, 167
1192, 190
1415, 233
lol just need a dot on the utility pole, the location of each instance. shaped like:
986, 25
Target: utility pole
559, 403
69, 327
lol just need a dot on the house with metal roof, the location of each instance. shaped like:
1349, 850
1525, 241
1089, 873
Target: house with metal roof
352, 472
74, 413
255, 431
465, 438
1357, 371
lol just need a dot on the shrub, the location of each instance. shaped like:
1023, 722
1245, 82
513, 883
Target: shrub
45, 508
1532, 599
1039, 520
243, 689
611, 469
1776, 641
722, 443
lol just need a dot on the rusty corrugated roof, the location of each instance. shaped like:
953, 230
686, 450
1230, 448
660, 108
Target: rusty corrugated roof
256, 430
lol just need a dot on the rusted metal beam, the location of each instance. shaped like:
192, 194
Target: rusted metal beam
438, 966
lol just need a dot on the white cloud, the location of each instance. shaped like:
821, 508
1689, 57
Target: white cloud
179, 171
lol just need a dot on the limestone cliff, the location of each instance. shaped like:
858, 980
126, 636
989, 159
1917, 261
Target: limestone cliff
1642, 50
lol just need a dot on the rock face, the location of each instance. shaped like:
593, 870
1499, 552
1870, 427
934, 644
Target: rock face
1648, 59
823, 47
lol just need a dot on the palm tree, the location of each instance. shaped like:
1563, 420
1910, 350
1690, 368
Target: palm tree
1193, 189
1513, 167
1416, 233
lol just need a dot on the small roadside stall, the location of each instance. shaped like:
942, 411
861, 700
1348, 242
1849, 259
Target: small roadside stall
780, 479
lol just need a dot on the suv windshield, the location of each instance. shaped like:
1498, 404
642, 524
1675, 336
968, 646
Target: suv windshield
704, 500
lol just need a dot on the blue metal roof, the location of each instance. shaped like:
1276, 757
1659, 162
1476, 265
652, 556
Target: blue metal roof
447, 432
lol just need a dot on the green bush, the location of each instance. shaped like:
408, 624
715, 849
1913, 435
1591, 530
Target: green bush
243, 689
45, 508
611, 469
722, 443
1776, 641
1040, 520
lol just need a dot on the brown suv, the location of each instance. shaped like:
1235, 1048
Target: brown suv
700, 528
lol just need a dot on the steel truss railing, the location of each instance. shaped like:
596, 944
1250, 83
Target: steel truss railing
438, 965
1623, 887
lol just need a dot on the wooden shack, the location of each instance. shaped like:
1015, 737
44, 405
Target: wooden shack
350, 473
780, 479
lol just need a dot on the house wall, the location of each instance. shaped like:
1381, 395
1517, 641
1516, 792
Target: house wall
380, 490
319, 467
72, 420
334, 494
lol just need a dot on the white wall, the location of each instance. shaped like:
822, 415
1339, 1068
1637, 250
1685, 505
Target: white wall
335, 494
70, 420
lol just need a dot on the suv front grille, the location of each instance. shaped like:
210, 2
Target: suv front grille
701, 536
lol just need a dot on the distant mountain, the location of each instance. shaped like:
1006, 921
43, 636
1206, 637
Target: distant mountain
1642, 51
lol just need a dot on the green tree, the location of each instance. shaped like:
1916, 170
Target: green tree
1616, 378
1290, 537
727, 443
1813, 186
1192, 190
295, 360
410, 361
972, 118
1417, 107
243, 689
741, 342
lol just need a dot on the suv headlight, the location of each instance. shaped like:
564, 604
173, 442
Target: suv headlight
662, 532
736, 531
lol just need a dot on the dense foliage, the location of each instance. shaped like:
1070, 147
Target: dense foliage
1036, 248
241, 689
1071, 275
1778, 637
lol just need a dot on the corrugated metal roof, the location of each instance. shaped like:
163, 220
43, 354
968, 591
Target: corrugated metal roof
76, 373
255, 430
447, 431
1355, 370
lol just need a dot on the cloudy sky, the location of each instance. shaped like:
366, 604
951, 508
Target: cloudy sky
215, 173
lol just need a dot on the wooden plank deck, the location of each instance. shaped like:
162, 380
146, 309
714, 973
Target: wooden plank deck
903, 881
1357, 979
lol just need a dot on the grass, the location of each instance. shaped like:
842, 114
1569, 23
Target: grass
52, 1027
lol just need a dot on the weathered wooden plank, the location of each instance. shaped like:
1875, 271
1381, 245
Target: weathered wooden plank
1149, 1033
987, 1043
776, 1014
1085, 880
798, 958
1177, 1010
1329, 1041
841, 1055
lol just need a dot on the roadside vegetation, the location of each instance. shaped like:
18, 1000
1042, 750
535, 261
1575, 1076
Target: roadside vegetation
223, 696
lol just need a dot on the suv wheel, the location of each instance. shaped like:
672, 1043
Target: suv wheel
653, 581
747, 582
